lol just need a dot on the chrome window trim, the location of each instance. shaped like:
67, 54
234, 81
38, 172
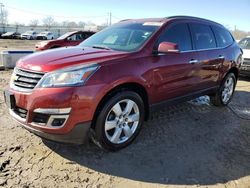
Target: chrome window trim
207, 49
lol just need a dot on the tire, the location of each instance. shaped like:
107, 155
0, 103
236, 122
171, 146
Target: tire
121, 133
220, 98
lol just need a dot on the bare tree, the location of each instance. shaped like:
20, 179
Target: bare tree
49, 22
238, 34
81, 24
72, 24
34, 23
17, 25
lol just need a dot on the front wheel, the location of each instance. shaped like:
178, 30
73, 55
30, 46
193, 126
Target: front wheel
225, 93
119, 121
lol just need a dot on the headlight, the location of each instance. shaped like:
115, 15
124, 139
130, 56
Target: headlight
68, 77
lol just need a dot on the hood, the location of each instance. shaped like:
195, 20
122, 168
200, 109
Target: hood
7, 34
54, 59
246, 53
48, 42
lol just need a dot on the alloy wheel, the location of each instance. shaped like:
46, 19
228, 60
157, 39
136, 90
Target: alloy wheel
122, 121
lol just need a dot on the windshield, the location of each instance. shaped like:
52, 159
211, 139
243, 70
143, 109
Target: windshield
29, 32
64, 36
122, 36
9, 33
245, 43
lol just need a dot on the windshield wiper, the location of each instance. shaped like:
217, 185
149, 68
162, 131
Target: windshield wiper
101, 47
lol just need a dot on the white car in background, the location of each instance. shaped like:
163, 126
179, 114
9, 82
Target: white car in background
245, 45
45, 35
30, 35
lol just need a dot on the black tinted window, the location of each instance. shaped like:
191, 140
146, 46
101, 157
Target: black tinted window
245, 43
203, 36
178, 34
223, 37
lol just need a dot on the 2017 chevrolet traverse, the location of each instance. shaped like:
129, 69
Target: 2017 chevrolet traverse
112, 81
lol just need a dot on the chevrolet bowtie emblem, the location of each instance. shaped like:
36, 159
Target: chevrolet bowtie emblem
15, 77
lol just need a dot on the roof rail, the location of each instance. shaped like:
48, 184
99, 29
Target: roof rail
183, 16
124, 20
192, 17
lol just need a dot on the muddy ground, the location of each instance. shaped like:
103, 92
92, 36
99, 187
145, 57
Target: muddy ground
9, 44
192, 144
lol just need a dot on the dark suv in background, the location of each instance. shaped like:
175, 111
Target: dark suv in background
112, 81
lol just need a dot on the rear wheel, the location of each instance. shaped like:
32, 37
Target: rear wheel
119, 121
225, 93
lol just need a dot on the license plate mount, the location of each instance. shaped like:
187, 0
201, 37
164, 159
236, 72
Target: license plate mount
9, 99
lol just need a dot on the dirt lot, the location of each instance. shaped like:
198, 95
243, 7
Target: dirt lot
8, 44
193, 144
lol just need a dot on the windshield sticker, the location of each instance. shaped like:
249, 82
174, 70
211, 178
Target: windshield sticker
153, 23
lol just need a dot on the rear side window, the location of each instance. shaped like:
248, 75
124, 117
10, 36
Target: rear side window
178, 34
203, 36
223, 37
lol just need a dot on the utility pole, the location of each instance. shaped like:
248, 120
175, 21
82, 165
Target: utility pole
110, 18
2, 16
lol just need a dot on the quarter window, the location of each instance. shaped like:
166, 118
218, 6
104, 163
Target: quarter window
178, 34
223, 37
203, 36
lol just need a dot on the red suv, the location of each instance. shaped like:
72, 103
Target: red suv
108, 85
68, 39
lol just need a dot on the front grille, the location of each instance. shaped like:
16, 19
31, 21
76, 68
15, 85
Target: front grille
246, 61
20, 112
40, 38
26, 80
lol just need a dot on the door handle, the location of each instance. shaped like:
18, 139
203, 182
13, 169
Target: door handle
193, 61
221, 57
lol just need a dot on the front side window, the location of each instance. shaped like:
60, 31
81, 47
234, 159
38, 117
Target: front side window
123, 36
245, 43
72, 37
178, 34
203, 36
223, 37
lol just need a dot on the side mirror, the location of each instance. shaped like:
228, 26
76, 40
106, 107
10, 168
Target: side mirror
168, 47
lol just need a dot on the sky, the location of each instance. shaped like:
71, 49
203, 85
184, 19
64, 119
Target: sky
231, 13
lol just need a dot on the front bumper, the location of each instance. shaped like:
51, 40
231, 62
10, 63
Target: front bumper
78, 135
82, 102
245, 70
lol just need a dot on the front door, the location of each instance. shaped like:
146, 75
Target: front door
176, 74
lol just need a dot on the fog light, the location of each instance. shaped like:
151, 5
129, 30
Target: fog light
57, 122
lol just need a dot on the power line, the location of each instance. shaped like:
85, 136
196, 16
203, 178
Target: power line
56, 16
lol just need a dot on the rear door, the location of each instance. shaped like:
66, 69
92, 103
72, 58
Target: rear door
174, 75
210, 59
